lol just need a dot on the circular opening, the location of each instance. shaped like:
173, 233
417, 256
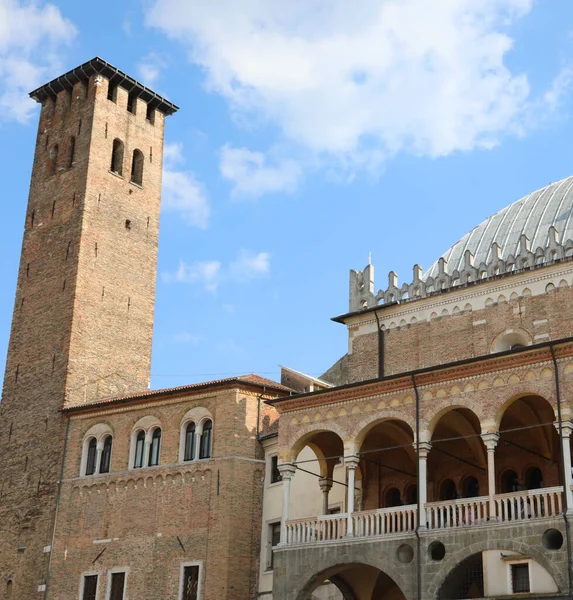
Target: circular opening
552, 539
405, 553
437, 551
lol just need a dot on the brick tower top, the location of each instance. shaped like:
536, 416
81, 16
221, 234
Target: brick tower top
115, 77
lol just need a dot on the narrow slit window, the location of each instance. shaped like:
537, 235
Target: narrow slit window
53, 162
154, 449
72, 152
189, 442
106, 455
206, 439
117, 157
91, 458
139, 450
137, 167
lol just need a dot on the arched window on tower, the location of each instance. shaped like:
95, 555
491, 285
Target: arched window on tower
139, 450
155, 446
105, 460
117, 157
189, 442
206, 439
71, 152
92, 455
137, 167
53, 160
9, 587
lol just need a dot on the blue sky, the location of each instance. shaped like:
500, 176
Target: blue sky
309, 134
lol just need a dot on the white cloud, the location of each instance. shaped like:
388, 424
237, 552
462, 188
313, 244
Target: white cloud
150, 67
252, 176
206, 273
31, 37
182, 191
211, 274
358, 81
249, 265
184, 337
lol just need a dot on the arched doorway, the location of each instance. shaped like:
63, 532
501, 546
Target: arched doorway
351, 582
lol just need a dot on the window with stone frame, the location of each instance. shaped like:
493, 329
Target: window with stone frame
274, 538
275, 473
190, 587
89, 591
520, 578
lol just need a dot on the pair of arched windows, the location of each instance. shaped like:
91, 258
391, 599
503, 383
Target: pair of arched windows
141, 457
94, 466
201, 436
136, 162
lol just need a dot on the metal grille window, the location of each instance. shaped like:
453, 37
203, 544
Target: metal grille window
117, 586
90, 587
275, 473
190, 583
520, 578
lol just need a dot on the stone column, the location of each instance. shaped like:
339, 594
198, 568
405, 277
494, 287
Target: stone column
325, 487
351, 463
286, 470
147, 450
566, 429
197, 445
99, 450
423, 451
490, 441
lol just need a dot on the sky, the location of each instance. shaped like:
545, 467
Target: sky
309, 136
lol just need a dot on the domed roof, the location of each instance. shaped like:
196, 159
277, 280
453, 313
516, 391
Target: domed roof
533, 215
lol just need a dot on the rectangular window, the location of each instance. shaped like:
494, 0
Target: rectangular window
132, 102
274, 540
190, 589
275, 473
520, 578
117, 588
90, 587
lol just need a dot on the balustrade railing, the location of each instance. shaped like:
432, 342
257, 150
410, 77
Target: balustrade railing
457, 513
466, 512
316, 529
383, 521
529, 504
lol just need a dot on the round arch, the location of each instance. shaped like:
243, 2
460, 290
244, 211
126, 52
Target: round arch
451, 561
294, 446
364, 427
438, 416
356, 580
512, 399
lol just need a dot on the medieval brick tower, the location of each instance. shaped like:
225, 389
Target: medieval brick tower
83, 315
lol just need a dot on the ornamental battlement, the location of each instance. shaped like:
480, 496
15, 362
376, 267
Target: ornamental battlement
363, 296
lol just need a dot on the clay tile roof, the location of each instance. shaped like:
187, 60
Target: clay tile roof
250, 379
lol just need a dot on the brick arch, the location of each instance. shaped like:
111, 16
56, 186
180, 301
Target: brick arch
508, 543
299, 439
319, 571
444, 407
361, 429
524, 392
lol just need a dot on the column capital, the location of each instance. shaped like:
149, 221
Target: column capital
325, 484
351, 461
566, 427
424, 449
287, 470
490, 439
